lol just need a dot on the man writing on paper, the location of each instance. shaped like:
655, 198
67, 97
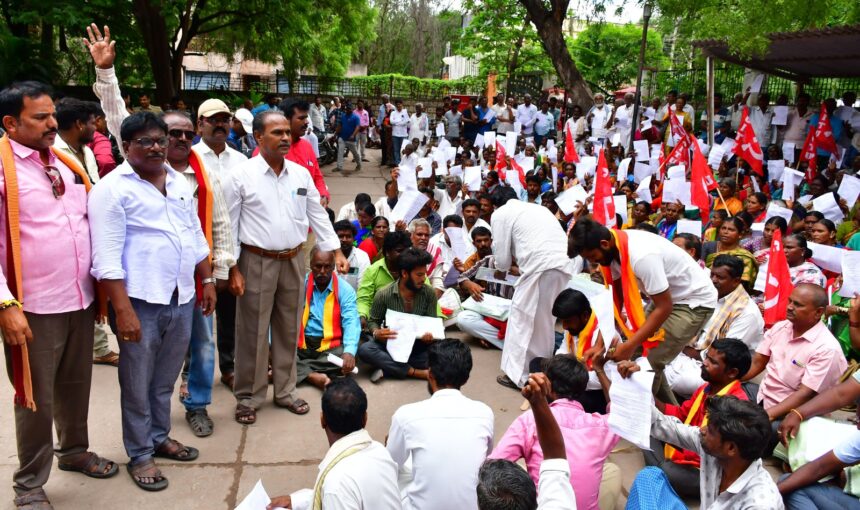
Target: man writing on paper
409, 294
682, 297
532, 233
330, 324
382, 272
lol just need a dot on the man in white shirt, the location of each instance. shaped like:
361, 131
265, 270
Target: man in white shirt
527, 115
498, 108
419, 125
445, 438
533, 235
597, 117
76, 125
798, 123
148, 246
471, 212
272, 202
349, 211
318, 115
760, 116
503, 484
735, 316
357, 473
385, 205
451, 198
358, 259
399, 119
682, 296
622, 121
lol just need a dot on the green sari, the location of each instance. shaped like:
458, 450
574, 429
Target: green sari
750, 264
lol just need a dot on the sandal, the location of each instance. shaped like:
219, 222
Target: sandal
174, 450
200, 422
35, 499
146, 470
245, 415
111, 358
297, 406
227, 380
507, 382
92, 465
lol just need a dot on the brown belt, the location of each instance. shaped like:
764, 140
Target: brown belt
274, 254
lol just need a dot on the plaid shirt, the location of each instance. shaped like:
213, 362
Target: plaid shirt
495, 289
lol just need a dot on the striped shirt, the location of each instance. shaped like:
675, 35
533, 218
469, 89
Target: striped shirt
388, 298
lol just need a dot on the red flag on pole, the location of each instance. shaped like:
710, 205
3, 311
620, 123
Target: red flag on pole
778, 285
604, 205
808, 154
680, 155
746, 144
501, 160
824, 138
701, 181
519, 170
570, 155
678, 131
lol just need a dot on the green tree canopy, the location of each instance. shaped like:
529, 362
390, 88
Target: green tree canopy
608, 54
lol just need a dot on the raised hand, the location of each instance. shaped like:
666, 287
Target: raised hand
102, 49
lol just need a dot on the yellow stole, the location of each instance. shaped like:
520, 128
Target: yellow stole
669, 450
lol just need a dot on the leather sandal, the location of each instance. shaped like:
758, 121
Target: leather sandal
35, 499
92, 465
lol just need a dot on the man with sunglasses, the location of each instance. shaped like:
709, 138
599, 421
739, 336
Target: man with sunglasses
47, 333
148, 246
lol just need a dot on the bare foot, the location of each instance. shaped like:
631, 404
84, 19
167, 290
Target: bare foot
418, 373
318, 380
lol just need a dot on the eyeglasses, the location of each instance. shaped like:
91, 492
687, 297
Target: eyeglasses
147, 142
58, 187
218, 119
179, 133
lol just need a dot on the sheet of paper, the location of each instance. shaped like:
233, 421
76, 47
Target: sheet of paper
676, 190
849, 189
458, 243
654, 165
257, 499
630, 413
715, 157
755, 86
656, 149
623, 169
850, 273
782, 212
400, 348
472, 177
620, 207
421, 325
727, 145
479, 141
456, 170
644, 190
510, 143
677, 172
425, 168
440, 129
586, 166
690, 226
788, 152
790, 179
567, 200
775, 167
486, 274
641, 171
338, 362
408, 205
518, 126
826, 204
705, 148
527, 163
649, 113
490, 139
616, 140
443, 143
642, 151
490, 305
826, 257
761, 278
780, 116
406, 178
646, 125
600, 299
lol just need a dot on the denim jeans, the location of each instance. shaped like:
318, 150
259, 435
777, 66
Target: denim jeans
147, 374
201, 366
398, 145
821, 496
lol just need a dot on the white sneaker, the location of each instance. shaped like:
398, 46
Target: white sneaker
376, 376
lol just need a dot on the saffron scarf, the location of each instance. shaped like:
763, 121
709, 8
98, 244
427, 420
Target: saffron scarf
669, 451
205, 201
21, 377
583, 339
332, 329
630, 300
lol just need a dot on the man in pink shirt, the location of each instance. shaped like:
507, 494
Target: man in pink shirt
800, 357
587, 437
363, 124
101, 146
57, 317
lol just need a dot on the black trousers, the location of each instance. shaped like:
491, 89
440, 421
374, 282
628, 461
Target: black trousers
374, 354
225, 312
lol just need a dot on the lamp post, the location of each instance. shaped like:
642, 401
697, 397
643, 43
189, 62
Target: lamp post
634, 125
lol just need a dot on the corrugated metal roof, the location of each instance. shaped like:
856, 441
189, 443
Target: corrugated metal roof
823, 52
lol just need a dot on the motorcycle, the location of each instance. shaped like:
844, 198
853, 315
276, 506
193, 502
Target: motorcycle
327, 148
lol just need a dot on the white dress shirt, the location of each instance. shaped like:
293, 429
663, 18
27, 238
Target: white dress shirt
554, 489
527, 116
347, 212
220, 165
530, 233
273, 212
399, 123
447, 437
599, 116
150, 240
359, 260
761, 124
382, 208
419, 126
318, 115
448, 205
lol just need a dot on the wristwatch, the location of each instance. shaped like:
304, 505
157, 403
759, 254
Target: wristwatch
205, 281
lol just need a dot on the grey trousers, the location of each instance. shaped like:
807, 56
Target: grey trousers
100, 342
147, 374
310, 360
274, 295
61, 368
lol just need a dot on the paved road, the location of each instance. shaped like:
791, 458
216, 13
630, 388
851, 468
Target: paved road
281, 449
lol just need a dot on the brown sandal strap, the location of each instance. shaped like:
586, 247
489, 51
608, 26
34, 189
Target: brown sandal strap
29, 498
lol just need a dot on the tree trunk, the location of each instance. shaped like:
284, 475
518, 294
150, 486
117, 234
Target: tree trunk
549, 29
515, 55
157, 42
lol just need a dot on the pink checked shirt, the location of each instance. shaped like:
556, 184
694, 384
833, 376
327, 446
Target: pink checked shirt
587, 439
814, 360
55, 238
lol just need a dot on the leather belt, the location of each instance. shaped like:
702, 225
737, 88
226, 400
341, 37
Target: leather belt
274, 254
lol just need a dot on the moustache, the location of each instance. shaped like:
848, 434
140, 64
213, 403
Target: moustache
219, 129
50, 132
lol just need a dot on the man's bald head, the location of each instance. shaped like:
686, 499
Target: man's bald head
322, 267
806, 305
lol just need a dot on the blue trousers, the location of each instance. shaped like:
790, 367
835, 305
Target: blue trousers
820, 496
398, 145
201, 363
147, 373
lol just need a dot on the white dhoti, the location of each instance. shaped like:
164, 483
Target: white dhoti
531, 325
473, 323
684, 375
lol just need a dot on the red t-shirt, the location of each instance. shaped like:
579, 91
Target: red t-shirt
302, 153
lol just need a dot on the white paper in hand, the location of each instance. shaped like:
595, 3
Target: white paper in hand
788, 152
490, 139
408, 205
472, 176
850, 274
782, 212
510, 143
586, 166
257, 499
567, 200
338, 362
849, 189
780, 116
755, 87
632, 402
677, 172
440, 129
641, 148
690, 227
715, 157
826, 205
644, 190
826, 257
775, 168
623, 169
641, 171
458, 242
406, 179
425, 168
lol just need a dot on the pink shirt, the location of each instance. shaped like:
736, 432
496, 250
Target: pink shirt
55, 238
363, 118
814, 360
587, 439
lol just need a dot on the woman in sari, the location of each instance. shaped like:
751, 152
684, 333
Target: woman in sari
729, 201
365, 212
372, 245
801, 269
770, 226
728, 243
824, 232
683, 116
757, 206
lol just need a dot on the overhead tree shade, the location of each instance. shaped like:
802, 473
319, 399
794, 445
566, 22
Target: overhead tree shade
828, 52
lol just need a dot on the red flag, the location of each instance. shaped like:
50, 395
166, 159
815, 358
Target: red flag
680, 155
808, 154
604, 205
778, 285
701, 182
501, 163
519, 170
746, 144
570, 155
824, 138
678, 131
